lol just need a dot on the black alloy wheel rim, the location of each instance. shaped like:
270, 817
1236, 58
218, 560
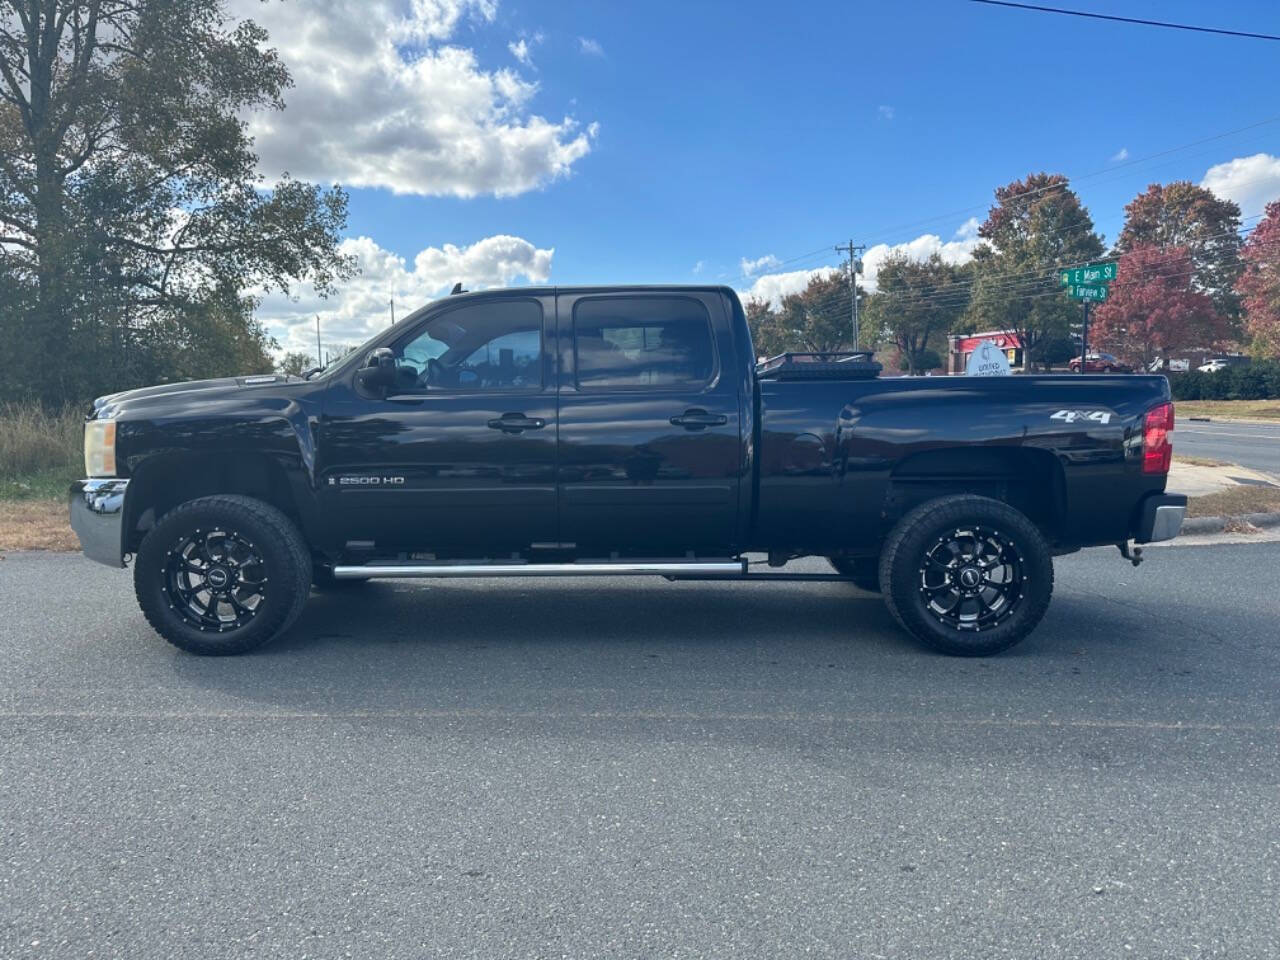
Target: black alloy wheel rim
972, 578
215, 579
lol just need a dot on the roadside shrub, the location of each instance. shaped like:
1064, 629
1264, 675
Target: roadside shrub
1255, 381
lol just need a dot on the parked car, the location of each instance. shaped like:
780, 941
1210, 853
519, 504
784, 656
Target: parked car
1100, 363
1213, 366
616, 431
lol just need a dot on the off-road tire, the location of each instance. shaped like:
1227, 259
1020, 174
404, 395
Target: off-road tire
864, 571
906, 553
285, 558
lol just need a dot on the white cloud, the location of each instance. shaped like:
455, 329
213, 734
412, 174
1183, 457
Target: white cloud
958, 250
1252, 182
363, 305
751, 267
520, 50
699, 266
382, 99
885, 111
1121, 154
772, 287
590, 47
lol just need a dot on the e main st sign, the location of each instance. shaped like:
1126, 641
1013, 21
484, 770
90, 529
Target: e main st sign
1095, 274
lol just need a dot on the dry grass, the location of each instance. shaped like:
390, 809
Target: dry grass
36, 525
1199, 461
1227, 409
41, 451
1235, 501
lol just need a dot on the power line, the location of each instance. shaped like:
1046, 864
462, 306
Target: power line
1136, 20
1030, 286
1030, 194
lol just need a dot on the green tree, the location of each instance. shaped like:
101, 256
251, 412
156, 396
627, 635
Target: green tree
1036, 225
917, 301
295, 364
1181, 214
817, 319
132, 220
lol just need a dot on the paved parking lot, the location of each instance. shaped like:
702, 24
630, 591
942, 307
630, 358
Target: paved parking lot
634, 768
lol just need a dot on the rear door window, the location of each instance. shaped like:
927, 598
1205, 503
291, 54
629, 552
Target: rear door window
633, 342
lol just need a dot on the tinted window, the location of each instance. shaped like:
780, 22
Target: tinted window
642, 342
485, 346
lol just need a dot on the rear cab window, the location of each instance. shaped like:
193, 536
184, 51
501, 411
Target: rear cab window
642, 342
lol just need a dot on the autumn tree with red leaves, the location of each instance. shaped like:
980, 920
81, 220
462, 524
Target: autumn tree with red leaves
1259, 284
1182, 214
1153, 308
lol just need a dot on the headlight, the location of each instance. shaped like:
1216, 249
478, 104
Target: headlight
100, 448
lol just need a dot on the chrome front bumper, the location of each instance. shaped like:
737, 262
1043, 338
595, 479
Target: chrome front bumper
97, 517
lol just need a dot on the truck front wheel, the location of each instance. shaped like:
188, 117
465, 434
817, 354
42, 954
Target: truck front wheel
222, 575
967, 575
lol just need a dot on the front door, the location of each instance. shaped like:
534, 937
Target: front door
458, 459
650, 459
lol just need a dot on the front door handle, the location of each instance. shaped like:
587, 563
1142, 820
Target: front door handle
516, 423
695, 418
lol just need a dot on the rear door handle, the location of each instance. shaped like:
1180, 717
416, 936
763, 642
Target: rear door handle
696, 418
516, 422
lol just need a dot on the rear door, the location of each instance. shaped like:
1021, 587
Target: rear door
649, 455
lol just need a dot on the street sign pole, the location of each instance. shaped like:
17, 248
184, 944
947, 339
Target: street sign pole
1084, 340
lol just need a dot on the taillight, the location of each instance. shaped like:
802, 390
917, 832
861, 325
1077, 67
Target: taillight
1157, 439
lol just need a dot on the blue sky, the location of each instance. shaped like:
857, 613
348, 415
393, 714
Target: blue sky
708, 133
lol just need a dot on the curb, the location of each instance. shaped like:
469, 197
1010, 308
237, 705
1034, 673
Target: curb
1203, 525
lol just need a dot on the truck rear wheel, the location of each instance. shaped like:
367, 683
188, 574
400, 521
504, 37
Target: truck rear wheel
863, 571
222, 575
967, 575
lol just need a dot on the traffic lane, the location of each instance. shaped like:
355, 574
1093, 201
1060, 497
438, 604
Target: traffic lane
1254, 445
717, 769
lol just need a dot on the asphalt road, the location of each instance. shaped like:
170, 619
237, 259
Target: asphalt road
637, 769
1255, 445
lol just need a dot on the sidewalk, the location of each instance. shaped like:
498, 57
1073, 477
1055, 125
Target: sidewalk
1199, 481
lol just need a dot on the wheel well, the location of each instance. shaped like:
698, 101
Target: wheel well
165, 482
1029, 480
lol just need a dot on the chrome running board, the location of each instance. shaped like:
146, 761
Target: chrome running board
730, 568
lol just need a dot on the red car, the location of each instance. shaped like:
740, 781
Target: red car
1100, 363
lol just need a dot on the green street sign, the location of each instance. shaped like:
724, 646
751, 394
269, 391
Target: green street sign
1094, 273
1082, 292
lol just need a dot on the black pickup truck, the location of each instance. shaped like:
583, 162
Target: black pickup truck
616, 431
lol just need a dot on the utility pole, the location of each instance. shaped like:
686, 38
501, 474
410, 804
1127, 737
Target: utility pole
319, 352
393, 311
855, 265
1084, 340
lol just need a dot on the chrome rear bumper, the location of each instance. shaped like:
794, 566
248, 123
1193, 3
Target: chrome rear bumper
1161, 517
97, 517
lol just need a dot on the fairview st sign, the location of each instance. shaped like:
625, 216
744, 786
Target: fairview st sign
1080, 291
